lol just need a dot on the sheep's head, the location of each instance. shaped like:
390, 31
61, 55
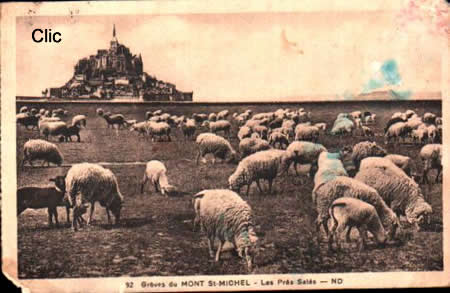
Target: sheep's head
233, 158
420, 215
60, 182
115, 207
246, 246
168, 190
376, 150
236, 181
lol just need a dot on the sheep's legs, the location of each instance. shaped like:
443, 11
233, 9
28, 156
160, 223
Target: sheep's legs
219, 249
438, 173
248, 190
109, 216
259, 186
144, 180
198, 156
68, 214
270, 185
295, 168
363, 236
91, 214
211, 245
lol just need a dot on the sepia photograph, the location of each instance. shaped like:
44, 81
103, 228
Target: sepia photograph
214, 146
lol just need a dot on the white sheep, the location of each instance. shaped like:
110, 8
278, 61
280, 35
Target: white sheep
244, 131
38, 149
403, 162
155, 171
420, 135
188, 128
210, 143
279, 137
306, 133
347, 212
159, 129
251, 145
431, 156
397, 131
79, 120
261, 165
342, 125
400, 192
341, 186
141, 128
303, 152
366, 149
86, 182
356, 114
220, 125
222, 115
432, 133
223, 214
212, 117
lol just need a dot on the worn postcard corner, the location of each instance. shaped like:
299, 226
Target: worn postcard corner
173, 146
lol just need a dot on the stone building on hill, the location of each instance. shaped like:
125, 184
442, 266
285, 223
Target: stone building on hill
116, 73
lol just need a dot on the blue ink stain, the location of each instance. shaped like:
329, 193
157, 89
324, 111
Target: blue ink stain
389, 76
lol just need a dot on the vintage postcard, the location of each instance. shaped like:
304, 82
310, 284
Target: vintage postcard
224, 145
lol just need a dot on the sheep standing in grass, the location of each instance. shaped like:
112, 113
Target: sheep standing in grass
341, 186
38, 149
159, 129
27, 119
79, 120
223, 214
347, 212
279, 138
306, 133
155, 171
210, 143
403, 162
397, 131
141, 128
49, 197
366, 149
253, 144
220, 125
116, 119
431, 156
260, 165
88, 182
244, 132
303, 152
223, 115
400, 192
188, 128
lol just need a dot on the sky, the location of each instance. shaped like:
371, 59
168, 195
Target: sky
236, 57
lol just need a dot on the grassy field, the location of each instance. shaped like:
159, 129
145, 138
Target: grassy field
155, 236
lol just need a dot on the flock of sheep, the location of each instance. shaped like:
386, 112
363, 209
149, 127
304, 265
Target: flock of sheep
370, 197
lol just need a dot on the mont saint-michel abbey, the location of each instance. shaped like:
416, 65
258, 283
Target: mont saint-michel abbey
116, 73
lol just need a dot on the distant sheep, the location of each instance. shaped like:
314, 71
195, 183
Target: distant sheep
223, 214
27, 120
222, 115
244, 132
220, 125
141, 128
251, 145
303, 152
210, 143
159, 129
260, 165
397, 131
351, 212
53, 129
116, 119
79, 120
188, 128
306, 133
366, 149
279, 138
155, 171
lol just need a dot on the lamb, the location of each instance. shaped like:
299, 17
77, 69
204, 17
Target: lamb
155, 171
220, 125
86, 182
260, 165
159, 129
400, 192
79, 120
366, 149
303, 152
223, 214
280, 138
251, 145
342, 186
210, 143
431, 156
351, 212
397, 130
403, 162
244, 132
49, 197
306, 133
188, 128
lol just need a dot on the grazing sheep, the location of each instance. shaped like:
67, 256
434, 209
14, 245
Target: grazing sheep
341, 186
140, 128
155, 171
244, 132
210, 143
403, 162
366, 149
351, 212
88, 182
188, 128
251, 145
223, 214
280, 138
53, 129
73, 130
222, 115
261, 165
306, 133
261, 130
431, 156
400, 192
393, 121
220, 125
342, 125
49, 197
159, 129
303, 152
397, 131
79, 120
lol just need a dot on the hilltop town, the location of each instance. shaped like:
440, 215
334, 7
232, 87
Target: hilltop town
115, 73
